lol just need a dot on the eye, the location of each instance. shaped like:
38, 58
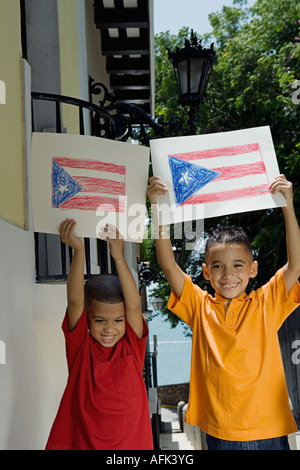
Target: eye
216, 266
238, 265
119, 320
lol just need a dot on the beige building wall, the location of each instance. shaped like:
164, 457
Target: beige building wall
69, 60
80, 55
11, 127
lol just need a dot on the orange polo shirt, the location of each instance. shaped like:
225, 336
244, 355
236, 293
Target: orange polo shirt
237, 384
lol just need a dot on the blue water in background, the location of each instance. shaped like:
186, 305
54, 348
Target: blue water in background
174, 351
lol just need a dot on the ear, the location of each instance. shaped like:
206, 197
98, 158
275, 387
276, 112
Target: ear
205, 272
254, 269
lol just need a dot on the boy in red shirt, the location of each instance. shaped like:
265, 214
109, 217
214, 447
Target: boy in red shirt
105, 403
238, 394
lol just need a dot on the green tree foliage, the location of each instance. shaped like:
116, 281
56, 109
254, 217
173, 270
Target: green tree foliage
252, 85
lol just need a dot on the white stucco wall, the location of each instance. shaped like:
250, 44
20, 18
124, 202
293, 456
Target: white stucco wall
34, 374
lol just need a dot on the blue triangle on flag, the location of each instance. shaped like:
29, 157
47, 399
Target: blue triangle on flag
64, 187
188, 178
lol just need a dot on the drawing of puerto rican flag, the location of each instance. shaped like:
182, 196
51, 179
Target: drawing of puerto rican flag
85, 184
218, 175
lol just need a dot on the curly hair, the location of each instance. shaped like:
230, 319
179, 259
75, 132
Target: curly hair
228, 234
103, 288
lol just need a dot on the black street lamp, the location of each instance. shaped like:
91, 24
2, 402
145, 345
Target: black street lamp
157, 303
192, 67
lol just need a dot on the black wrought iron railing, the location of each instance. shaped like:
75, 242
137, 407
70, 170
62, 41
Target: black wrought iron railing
106, 124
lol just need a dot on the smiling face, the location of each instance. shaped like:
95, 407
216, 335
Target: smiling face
106, 322
228, 268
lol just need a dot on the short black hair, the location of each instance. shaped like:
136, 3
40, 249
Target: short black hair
103, 288
228, 234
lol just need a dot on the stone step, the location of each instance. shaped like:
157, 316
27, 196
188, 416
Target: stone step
173, 438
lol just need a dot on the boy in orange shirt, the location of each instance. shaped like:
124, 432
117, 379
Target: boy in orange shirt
238, 393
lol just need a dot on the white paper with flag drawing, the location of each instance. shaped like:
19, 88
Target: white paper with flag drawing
90, 179
215, 174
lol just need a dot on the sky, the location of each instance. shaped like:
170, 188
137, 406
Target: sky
172, 15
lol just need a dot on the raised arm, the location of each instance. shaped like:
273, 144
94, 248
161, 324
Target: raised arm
75, 282
164, 251
292, 267
132, 300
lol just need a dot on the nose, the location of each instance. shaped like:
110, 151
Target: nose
227, 273
108, 327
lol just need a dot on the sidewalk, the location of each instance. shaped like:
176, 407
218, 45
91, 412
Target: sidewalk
172, 438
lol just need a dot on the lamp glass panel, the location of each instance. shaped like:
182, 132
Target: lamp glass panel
206, 69
196, 65
182, 68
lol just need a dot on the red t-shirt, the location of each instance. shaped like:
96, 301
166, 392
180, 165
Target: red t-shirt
105, 404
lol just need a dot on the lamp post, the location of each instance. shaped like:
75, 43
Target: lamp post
192, 67
157, 303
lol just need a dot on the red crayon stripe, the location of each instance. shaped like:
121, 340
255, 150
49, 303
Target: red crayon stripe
238, 171
91, 203
100, 185
228, 195
90, 165
222, 152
